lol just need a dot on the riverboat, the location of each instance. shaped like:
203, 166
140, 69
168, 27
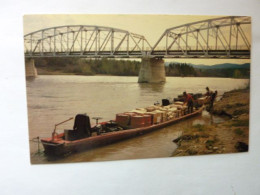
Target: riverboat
84, 137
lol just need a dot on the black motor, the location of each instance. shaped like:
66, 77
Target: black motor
82, 125
81, 128
165, 102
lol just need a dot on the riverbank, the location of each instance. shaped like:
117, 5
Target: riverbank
44, 71
231, 136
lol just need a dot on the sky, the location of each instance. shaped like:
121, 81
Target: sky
151, 26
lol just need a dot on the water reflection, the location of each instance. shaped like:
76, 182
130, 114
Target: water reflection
30, 79
152, 87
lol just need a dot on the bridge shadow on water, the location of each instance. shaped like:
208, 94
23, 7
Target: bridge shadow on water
30, 78
153, 87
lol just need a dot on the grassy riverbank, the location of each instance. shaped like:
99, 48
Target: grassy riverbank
230, 136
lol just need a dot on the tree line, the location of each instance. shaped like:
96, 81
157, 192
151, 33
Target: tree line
90, 66
81, 66
180, 69
185, 70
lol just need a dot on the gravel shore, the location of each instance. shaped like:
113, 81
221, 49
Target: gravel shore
231, 136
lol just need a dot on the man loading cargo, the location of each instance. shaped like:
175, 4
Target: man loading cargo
188, 99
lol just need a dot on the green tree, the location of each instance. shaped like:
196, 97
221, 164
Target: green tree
237, 74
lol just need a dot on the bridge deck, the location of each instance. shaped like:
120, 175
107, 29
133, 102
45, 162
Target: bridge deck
244, 54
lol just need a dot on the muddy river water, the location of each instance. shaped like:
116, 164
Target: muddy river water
52, 99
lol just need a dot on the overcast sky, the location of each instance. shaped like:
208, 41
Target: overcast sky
151, 26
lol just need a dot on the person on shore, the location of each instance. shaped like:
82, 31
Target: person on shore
188, 99
208, 94
212, 99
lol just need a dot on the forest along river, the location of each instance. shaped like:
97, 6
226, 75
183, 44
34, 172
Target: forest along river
52, 99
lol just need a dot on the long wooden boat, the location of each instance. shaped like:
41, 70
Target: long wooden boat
58, 145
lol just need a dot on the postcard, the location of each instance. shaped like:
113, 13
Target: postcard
117, 87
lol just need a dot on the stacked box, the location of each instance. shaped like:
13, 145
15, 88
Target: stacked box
160, 116
157, 107
163, 109
141, 109
130, 113
178, 103
155, 117
122, 119
141, 117
147, 120
164, 118
163, 115
178, 113
171, 115
173, 109
176, 106
137, 121
140, 112
150, 109
184, 110
167, 107
151, 115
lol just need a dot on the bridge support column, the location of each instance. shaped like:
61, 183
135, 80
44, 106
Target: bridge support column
30, 69
152, 71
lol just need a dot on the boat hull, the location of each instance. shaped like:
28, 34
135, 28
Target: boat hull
59, 146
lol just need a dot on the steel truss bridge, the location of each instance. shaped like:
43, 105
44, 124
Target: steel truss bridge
225, 37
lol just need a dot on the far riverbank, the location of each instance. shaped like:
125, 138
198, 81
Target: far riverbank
43, 71
75, 66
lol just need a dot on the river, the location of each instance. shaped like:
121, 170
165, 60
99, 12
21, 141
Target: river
52, 99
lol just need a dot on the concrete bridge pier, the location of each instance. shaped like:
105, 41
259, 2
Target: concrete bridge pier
152, 71
30, 70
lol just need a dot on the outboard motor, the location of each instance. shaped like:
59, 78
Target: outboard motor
82, 125
81, 128
165, 102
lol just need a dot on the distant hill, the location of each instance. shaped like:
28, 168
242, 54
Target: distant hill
222, 66
216, 66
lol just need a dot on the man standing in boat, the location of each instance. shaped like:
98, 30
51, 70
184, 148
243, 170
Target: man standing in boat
188, 99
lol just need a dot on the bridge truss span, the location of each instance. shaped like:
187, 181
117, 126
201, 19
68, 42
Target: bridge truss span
225, 37
84, 41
